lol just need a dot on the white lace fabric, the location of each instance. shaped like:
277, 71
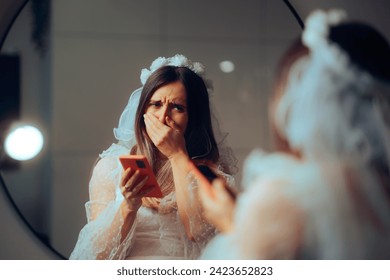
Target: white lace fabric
154, 235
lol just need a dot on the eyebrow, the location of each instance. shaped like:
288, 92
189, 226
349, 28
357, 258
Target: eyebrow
184, 105
175, 101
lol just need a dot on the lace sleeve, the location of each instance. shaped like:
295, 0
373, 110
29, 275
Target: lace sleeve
101, 237
201, 230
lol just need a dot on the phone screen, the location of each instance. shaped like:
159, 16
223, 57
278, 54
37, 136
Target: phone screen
207, 172
210, 176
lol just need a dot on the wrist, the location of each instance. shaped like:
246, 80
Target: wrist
129, 208
179, 157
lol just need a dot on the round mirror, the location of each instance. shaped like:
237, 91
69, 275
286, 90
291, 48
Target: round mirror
76, 62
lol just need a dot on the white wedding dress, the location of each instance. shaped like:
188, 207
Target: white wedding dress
328, 215
154, 234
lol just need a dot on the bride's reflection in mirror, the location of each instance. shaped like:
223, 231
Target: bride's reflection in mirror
94, 50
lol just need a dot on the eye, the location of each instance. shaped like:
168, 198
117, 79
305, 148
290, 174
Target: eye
178, 107
156, 104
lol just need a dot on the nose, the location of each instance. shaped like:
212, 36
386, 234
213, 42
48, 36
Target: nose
162, 113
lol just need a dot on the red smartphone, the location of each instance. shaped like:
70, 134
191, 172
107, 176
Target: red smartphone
140, 162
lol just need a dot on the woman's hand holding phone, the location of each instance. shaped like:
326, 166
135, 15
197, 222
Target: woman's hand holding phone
140, 170
132, 187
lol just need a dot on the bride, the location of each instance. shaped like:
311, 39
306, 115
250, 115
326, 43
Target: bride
169, 121
326, 193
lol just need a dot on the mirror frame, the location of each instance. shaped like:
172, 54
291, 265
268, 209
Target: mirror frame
8, 14
10, 11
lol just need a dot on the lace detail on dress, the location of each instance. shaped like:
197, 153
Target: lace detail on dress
203, 231
153, 235
101, 236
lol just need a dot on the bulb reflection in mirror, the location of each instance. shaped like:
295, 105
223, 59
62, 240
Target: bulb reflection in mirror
226, 66
23, 142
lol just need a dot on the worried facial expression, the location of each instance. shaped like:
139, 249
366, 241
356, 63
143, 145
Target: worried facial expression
170, 101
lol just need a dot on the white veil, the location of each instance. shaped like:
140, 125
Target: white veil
344, 108
337, 114
125, 130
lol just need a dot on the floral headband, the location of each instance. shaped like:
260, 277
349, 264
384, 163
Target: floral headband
313, 90
317, 26
179, 61
316, 38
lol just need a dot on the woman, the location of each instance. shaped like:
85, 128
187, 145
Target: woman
171, 126
326, 193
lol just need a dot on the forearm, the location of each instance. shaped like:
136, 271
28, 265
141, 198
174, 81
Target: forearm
119, 229
188, 204
128, 216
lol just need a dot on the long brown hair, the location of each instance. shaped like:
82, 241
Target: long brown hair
199, 136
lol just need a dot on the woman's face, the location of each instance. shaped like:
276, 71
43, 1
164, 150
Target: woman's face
170, 101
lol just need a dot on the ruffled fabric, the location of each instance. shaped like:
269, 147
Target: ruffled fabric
154, 234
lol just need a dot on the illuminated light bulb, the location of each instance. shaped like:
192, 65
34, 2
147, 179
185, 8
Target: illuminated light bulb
23, 142
226, 66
